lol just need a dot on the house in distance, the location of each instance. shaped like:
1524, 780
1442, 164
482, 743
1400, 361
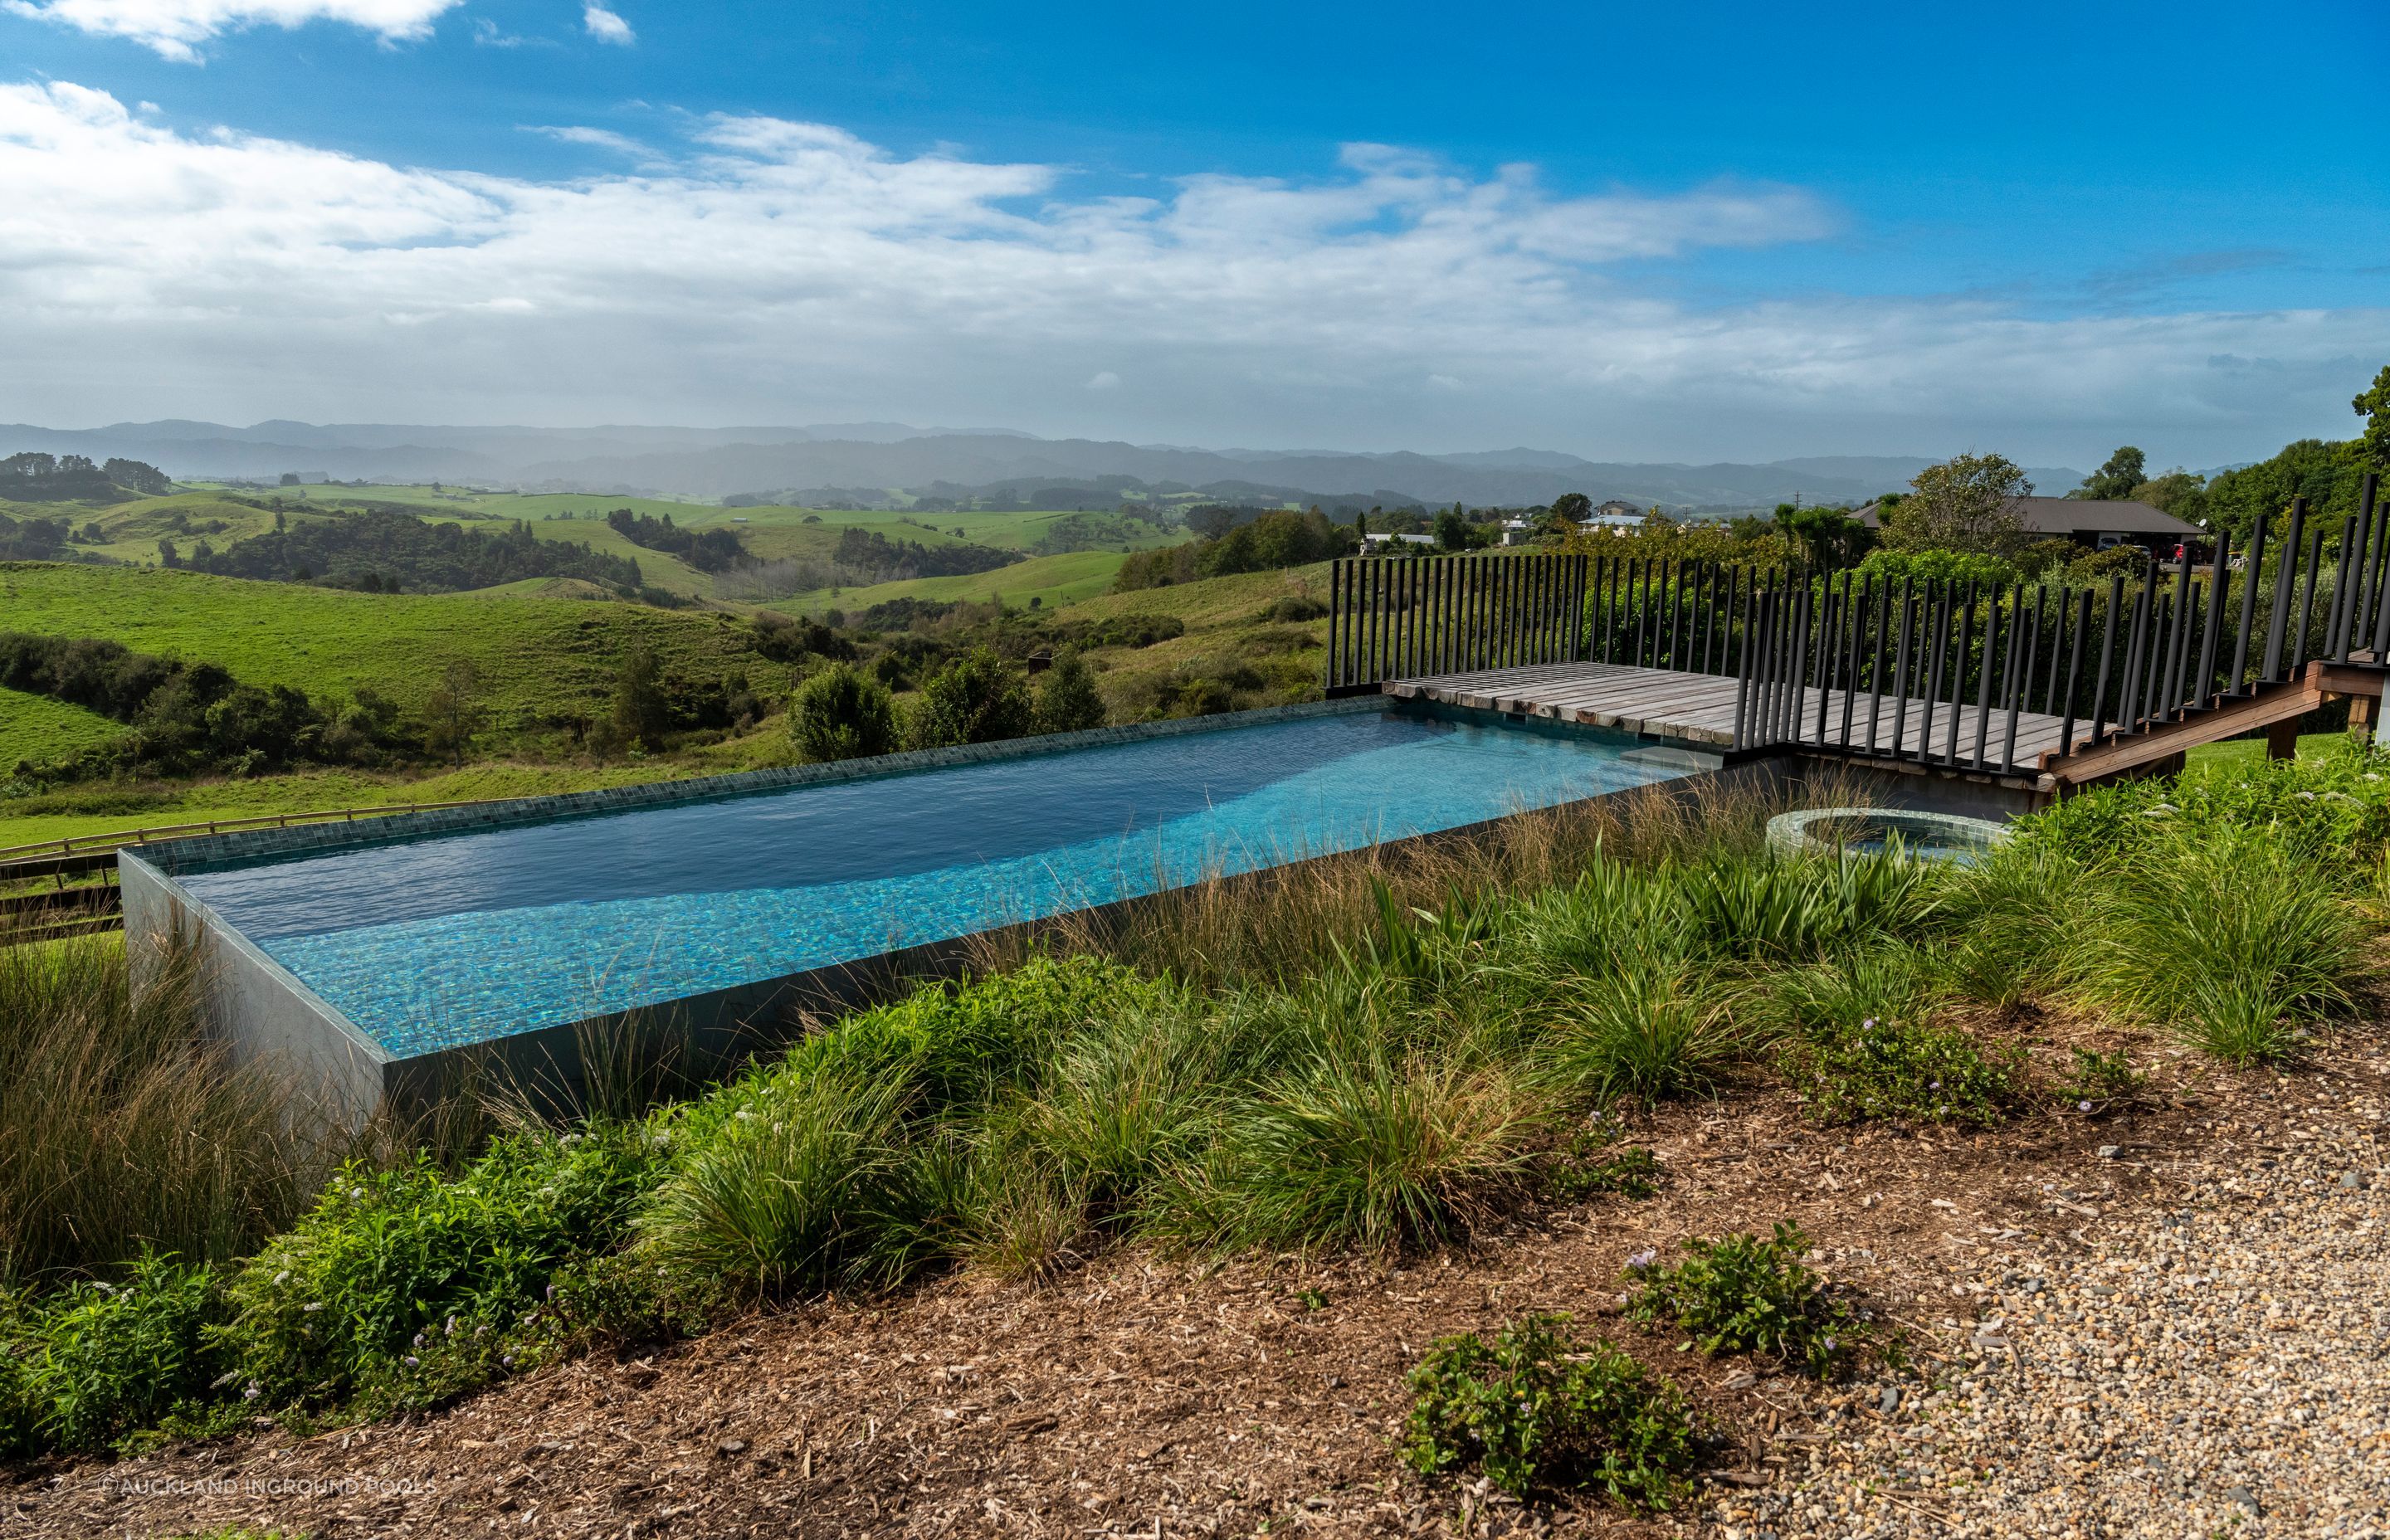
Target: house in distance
2099, 523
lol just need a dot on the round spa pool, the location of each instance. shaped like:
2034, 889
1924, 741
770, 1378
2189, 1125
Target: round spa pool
1872, 830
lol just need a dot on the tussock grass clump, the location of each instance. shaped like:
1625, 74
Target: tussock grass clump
1373, 1155
1534, 1408
2227, 939
122, 1132
1743, 1294
1655, 1029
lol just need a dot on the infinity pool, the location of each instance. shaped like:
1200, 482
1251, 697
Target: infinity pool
462, 938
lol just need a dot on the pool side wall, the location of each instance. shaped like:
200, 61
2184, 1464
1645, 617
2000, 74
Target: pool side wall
264, 1016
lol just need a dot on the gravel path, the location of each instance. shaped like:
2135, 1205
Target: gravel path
2216, 1364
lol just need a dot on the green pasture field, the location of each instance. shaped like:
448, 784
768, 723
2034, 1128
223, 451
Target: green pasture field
772, 533
535, 656
1050, 580
34, 727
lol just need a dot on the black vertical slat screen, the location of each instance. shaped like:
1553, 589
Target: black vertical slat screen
2086, 668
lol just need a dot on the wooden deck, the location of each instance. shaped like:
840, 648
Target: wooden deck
1699, 707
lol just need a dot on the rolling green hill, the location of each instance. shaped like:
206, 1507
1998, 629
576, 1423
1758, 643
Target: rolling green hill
130, 531
535, 656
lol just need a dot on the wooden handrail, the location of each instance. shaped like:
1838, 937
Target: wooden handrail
84, 844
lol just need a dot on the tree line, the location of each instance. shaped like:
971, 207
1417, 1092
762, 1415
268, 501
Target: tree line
383, 551
37, 478
189, 718
715, 550
1270, 540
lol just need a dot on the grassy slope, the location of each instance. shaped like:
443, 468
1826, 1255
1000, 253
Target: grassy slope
774, 533
34, 727
534, 655
1050, 580
1225, 629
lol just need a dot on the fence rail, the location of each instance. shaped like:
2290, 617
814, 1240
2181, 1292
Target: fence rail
2003, 678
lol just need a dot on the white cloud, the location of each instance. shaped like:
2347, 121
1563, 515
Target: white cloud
597, 139
1103, 379
176, 28
763, 270
605, 26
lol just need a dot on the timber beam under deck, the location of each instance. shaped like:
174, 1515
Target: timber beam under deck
2270, 705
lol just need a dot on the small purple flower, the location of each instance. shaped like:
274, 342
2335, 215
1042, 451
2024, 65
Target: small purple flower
419, 1338
1936, 1086
2083, 1107
251, 1393
1642, 1259
412, 1360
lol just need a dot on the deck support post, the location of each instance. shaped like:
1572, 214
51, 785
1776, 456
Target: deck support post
2282, 739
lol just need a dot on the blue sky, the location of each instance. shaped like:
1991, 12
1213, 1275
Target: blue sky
1719, 232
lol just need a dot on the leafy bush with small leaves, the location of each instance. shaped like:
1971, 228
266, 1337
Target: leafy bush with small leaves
1743, 1294
412, 1285
1585, 1167
1904, 1069
2101, 1077
1534, 1409
97, 1361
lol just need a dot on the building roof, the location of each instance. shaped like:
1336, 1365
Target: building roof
2082, 516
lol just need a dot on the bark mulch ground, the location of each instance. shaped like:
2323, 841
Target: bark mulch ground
1136, 1397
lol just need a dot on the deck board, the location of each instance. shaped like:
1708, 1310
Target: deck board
1701, 709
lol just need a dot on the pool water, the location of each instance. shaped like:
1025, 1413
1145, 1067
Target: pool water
461, 938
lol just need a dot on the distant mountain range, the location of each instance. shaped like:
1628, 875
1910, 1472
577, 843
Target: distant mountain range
711, 463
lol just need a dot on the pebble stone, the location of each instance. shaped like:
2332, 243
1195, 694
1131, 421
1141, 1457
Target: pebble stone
2211, 1360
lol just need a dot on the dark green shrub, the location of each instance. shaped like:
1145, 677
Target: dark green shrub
979, 698
1067, 701
1535, 1409
1742, 1294
1883, 1068
840, 713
